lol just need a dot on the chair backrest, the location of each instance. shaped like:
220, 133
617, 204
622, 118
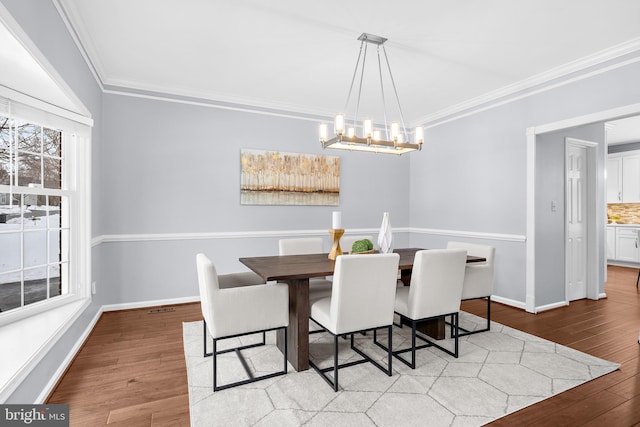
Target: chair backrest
301, 246
478, 281
208, 285
363, 293
346, 242
436, 282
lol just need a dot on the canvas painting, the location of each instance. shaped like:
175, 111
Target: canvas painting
281, 178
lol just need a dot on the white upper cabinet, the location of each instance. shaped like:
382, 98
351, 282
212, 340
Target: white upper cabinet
614, 180
623, 177
631, 179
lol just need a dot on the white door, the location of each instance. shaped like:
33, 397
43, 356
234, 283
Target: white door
576, 200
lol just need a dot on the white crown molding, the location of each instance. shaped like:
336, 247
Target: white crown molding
501, 96
514, 92
209, 103
250, 103
69, 14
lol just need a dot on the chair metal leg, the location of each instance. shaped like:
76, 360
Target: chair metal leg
429, 343
365, 358
204, 336
466, 332
237, 350
335, 361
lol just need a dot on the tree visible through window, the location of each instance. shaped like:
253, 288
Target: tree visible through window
34, 231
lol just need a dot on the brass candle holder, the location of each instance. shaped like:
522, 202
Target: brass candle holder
336, 234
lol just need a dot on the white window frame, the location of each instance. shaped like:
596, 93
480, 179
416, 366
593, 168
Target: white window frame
76, 142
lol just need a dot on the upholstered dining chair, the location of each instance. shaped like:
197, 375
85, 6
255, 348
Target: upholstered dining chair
435, 290
478, 278
238, 311
361, 300
318, 287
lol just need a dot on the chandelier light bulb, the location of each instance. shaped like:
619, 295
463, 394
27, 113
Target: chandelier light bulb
419, 135
351, 132
376, 135
324, 132
395, 130
339, 124
367, 127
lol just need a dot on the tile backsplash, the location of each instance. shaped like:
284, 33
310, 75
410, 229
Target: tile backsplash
628, 213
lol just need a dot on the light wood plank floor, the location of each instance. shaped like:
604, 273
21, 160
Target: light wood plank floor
131, 371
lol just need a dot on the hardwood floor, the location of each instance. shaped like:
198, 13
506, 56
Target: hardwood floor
131, 371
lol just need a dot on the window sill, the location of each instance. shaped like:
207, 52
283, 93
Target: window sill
26, 341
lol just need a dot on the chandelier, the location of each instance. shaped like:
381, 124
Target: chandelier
392, 138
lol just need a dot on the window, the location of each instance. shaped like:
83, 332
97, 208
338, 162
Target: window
34, 225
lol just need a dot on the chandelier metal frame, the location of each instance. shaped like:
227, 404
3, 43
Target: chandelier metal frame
396, 142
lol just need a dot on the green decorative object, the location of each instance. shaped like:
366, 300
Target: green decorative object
363, 245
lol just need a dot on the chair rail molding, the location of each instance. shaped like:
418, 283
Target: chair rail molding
111, 238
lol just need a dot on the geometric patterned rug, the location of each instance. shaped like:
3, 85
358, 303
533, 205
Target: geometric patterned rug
497, 373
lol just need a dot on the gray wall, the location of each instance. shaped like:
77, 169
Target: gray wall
177, 170
550, 226
471, 175
153, 158
42, 23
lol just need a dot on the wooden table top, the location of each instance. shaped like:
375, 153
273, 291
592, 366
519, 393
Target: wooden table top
286, 267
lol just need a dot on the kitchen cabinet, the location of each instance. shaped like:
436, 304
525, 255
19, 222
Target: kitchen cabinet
623, 177
614, 180
631, 179
611, 243
627, 245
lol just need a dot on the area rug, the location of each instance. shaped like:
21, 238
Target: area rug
497, 373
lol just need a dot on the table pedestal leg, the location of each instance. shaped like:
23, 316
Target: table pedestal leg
298, 330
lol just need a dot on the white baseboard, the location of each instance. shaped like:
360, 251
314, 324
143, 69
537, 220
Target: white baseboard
152, 303
559, 304
507, 301
67, 361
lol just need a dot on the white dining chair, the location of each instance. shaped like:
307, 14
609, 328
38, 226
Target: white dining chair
319, 287
232, 312
478, 278
435, 290
361, 300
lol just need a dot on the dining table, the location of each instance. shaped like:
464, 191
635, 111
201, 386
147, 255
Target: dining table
296, 270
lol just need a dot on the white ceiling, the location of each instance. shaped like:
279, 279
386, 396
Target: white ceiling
299, 55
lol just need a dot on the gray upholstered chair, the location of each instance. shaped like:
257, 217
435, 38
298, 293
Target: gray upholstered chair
237, 311
434, 292
362, 300
478, 278
318, 287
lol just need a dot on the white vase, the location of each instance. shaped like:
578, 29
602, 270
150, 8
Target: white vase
385, 237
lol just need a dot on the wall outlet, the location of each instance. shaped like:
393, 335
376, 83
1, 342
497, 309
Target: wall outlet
93, 288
